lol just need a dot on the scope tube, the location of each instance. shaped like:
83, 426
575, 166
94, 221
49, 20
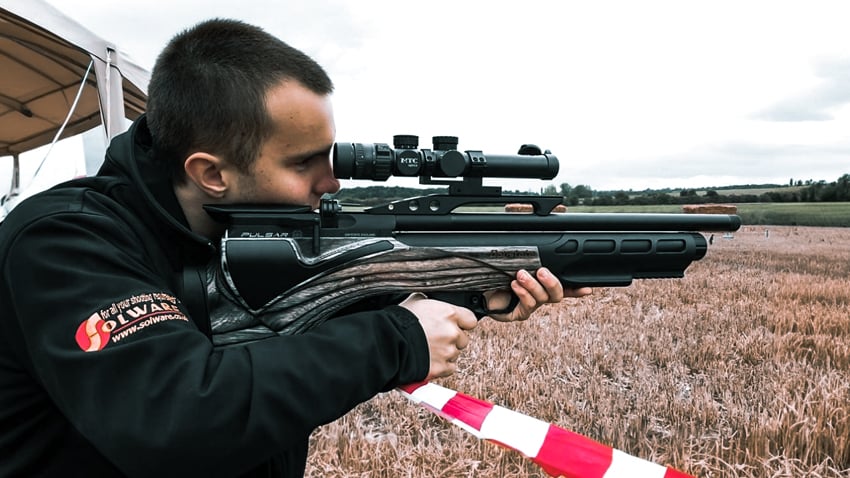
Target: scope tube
538, 166
378, 161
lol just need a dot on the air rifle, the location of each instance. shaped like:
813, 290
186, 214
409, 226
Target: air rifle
294, 266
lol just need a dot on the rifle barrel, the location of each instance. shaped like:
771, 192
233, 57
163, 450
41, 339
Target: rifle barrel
608, 222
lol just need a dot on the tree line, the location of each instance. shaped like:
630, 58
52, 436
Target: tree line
810, 191
814, 191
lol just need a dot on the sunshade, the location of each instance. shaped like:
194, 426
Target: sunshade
44, 56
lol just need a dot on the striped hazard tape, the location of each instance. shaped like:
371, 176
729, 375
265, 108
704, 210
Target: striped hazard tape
559, 452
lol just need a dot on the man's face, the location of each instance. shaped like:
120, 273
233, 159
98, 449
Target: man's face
294, 166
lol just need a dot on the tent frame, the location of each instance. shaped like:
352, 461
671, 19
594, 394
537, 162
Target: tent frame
43, 35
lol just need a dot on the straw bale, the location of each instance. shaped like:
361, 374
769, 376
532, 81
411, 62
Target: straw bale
522, 207
710, 209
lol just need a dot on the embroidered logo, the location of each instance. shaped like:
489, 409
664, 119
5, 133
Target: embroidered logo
123, 319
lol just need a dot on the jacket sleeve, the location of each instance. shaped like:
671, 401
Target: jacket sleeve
113, 348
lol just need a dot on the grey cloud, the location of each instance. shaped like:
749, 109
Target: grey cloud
745, 160
142, 30
816, 104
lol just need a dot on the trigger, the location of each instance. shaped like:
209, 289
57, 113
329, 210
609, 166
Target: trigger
511, 306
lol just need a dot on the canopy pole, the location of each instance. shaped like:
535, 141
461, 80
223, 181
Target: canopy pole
15, 186
16, 176
110, 93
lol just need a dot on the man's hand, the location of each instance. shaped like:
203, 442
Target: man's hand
445, 327
532, 293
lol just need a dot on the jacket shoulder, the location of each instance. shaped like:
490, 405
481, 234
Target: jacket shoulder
90, 195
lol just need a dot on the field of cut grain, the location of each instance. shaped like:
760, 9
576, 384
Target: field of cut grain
742, 369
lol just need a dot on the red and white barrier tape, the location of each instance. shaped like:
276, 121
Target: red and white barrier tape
559, 452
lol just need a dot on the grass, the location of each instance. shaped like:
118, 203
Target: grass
741, 369
830, 214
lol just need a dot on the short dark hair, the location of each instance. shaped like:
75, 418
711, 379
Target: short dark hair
208, 91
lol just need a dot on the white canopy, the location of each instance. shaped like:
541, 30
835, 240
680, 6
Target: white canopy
43, 58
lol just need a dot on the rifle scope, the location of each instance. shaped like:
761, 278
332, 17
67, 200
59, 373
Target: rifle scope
378, 161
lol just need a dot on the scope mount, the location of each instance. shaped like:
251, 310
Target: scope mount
467, 191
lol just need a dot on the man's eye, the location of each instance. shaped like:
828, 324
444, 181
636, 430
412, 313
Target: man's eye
303, 164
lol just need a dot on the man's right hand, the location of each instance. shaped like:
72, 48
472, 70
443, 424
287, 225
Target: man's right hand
445, 327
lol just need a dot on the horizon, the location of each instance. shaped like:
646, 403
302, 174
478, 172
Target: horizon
78, 159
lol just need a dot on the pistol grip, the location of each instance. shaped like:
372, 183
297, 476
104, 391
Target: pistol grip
474, 301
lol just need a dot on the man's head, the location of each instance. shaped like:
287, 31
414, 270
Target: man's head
241, 117
209, 87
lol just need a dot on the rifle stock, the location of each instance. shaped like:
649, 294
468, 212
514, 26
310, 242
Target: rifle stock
298, 267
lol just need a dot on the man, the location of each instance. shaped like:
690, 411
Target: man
106, 367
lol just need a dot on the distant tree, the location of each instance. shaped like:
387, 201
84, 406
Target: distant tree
621, 198
711, 193
814, 192
843, 184
580, 193
662, 198
604, 200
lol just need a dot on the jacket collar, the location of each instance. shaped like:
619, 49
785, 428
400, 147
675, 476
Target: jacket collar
130, 155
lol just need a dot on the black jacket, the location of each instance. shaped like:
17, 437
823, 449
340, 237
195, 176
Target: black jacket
104, 372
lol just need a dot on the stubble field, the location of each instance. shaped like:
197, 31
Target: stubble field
742, 369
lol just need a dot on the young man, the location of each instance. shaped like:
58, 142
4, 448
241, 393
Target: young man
105, 369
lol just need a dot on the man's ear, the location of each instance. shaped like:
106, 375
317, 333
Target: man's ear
207, 172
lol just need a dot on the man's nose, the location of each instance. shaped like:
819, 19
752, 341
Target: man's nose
328, 185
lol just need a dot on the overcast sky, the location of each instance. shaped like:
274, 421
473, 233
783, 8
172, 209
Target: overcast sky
628, 94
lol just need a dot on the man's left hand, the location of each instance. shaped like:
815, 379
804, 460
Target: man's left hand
532, 293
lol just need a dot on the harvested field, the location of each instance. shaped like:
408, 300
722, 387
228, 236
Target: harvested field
742, 369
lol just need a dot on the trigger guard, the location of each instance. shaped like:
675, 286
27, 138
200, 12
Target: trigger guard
511, 306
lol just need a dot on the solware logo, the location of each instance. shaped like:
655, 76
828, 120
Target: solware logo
124, 318
93, 334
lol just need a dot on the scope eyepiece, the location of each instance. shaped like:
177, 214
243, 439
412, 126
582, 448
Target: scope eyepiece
379, 161
362, 161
